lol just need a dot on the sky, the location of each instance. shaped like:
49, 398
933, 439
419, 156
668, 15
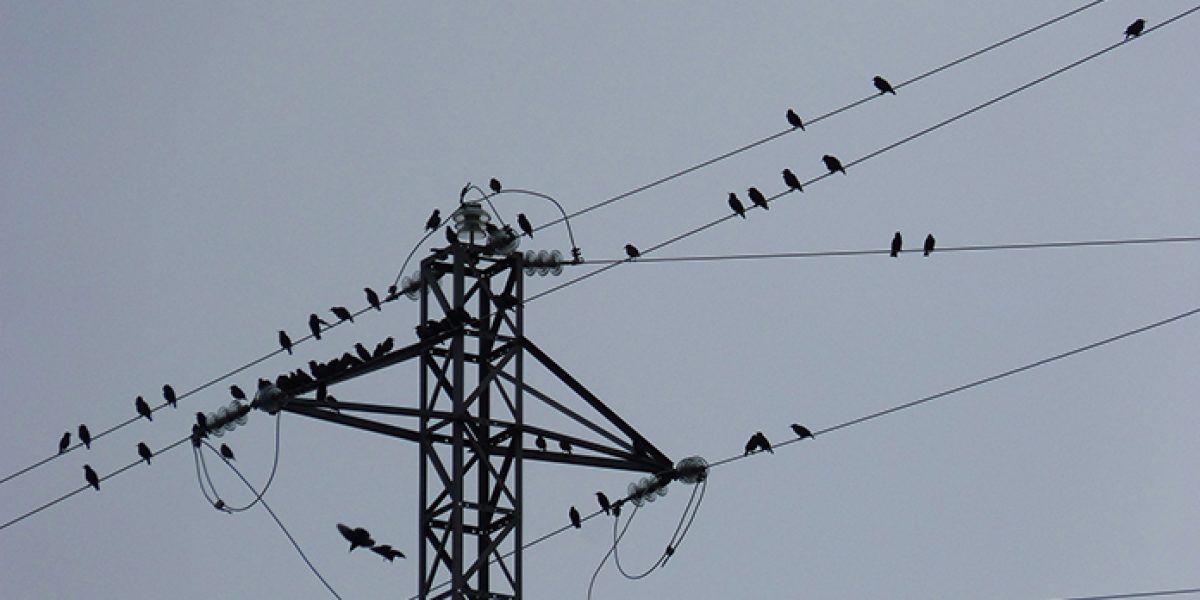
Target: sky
182, 180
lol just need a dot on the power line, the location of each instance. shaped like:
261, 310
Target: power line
1138, 595
868, 156
816, 119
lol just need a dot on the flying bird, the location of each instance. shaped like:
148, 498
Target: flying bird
897, 243
237, 392
90, 475
85, 436
929, 242
357, 537
631, 251
315, 323
64, 442
605, 505
758, 198
801, 431
494, 184
576, 521
1135, 29
883, 86
794, 119
144, 452
737, 205
342, 314
791, 180
540, 442
435, 219
169, 395
387, 552
525, 225
226, 452
833, 164
372, 298
143, 408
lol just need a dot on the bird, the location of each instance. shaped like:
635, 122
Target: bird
202, 422
574, 514
435, 219
285, 342
90, 475
791, 180
883, 86
237, 392
929, 242
144, 452
169, 395
226, 452
1135, 29
393, 293
362, 352
565, 446
833, 164
64, 442
897, 242
605, 505
341, 313
794, 120
315, 323
525, 225
540, 442
763, 444
801, 431
357, 536
494, 184
631, 251
143, 408
451, 237
387, 552
387, 344
758, 198
85, 436
737, 205
372, 298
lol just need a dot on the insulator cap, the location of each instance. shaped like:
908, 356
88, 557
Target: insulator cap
692, 469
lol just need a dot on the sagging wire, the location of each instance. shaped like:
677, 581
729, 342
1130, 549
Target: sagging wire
215, 499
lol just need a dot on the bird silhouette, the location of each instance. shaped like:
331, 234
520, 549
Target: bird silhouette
85, 436
169, 395
90, 475
763, 444
833, 164
285, 342
897, 243
143, 408
791, 180
576, 521
801, 431
525, 225
357, 537
226, 452
565, 446
883, 86
758, 198
341, 313
315, 323
1135, 29
757, 443
64, 442
631, 251
197, 435
393, 293
929, 242
144, 452
737, 205
387, 552
435, 219
605, 505
387, 344
794, 119
540, 442
202, 422
494, 184
362, 352
372, 298
237, 392
451, 237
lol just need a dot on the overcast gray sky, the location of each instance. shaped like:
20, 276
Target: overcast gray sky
182, 180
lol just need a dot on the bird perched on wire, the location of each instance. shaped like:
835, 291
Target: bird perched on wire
85, 436
357, 537
793, 182
362, 352
525, 225
883, 86
143, 408
64, 442
757, 443
631, 251
576, 520
494, 184
237, 392
372, 298
540, 442
169, 395
435, 219
1135, 29
226, 451
144, 452
794, 120
605, 505
387, 552
285, 342
565, 446
897, 243
929, 242
341, 313
758, 198
833, 164
90, 475
315, 323
451, 237
736, 205
801, 431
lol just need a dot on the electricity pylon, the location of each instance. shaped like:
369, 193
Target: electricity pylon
471, 428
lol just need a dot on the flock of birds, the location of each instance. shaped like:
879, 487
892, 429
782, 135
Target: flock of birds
359, 537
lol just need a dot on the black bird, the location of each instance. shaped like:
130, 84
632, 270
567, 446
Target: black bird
575, 518
463, 193
763, 444
372, 298
883, 86
758, 198
144, 452
565, 446
794, 119
616, 508
357, 536
64, 442
393, 293
494, 184
929, 242
285, 342
202, 422
90, 475
605, 505
143, 408
361, 350
540, 442
1135, 29
85, 436
263, 383
631, 251
237, 392
197, 435
451, 237
801, 431
315, 323
169, 395
387, 552
791, 180
342, 314
435, 219
387, 344
737, 205
525, 225
833, 164
226, 452
897, 243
